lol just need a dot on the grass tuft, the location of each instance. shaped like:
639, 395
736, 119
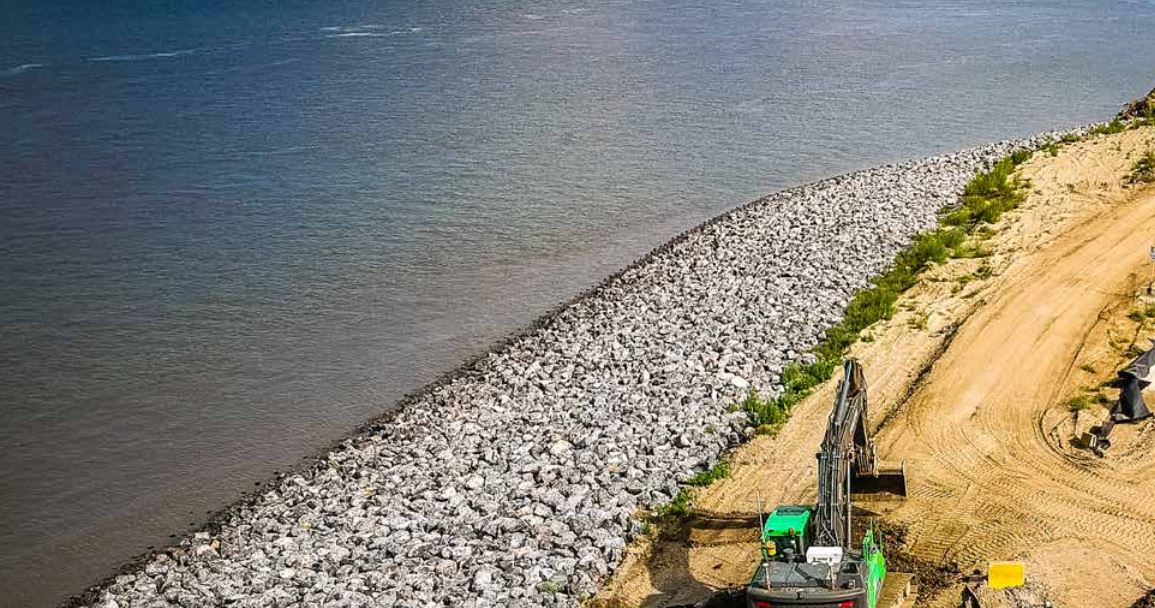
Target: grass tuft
990, 194
677, 508
1143, 171
1110, 128
770, 415
1079, 404
919, 321
705, 478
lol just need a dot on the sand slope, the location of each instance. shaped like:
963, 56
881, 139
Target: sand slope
969, 385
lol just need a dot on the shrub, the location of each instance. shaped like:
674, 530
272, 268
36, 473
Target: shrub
705, 478
1019, 157
1079, 404
1143, 171
990, 194
678, 507
1110, 128
775, 412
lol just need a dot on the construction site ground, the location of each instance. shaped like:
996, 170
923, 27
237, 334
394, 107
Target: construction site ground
980, 383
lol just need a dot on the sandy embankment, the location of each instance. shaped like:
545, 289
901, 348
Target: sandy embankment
970, 385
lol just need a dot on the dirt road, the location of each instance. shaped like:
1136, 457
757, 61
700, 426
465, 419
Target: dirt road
969, 386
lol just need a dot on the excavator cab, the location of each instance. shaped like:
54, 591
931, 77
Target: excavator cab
787, 534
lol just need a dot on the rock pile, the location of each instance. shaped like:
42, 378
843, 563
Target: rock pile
517, 482
1141, 108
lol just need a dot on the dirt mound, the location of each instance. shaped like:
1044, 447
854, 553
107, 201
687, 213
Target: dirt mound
931, 577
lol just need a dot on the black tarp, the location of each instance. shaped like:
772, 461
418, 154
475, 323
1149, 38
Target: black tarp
1132, 380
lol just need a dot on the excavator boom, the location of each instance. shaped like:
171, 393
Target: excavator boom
848, 462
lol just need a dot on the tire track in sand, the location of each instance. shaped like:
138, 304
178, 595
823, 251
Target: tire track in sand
995, 487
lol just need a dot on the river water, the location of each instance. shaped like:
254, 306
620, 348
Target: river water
230, 232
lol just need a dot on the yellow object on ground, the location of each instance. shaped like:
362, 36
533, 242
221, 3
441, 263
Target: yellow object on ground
1003, 575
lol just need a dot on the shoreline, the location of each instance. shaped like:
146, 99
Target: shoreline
314, 464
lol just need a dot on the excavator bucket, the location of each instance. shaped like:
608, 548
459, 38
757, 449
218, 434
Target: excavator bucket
886, 479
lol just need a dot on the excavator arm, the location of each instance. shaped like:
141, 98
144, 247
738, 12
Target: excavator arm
848, 460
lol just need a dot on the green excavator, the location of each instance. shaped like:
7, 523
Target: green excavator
810, 558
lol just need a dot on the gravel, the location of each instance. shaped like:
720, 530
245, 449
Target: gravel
517, 482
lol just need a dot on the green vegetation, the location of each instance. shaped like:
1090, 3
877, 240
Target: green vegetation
1143, 171
867, 307
985, 199
972, 249
1141, 316
1093, 396
1118, 125
990, 194
769, 415
1079, 404
981, 273
984, 272
705, 478
549, 587
677, 508
1110, 128
683, 502
768, 429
